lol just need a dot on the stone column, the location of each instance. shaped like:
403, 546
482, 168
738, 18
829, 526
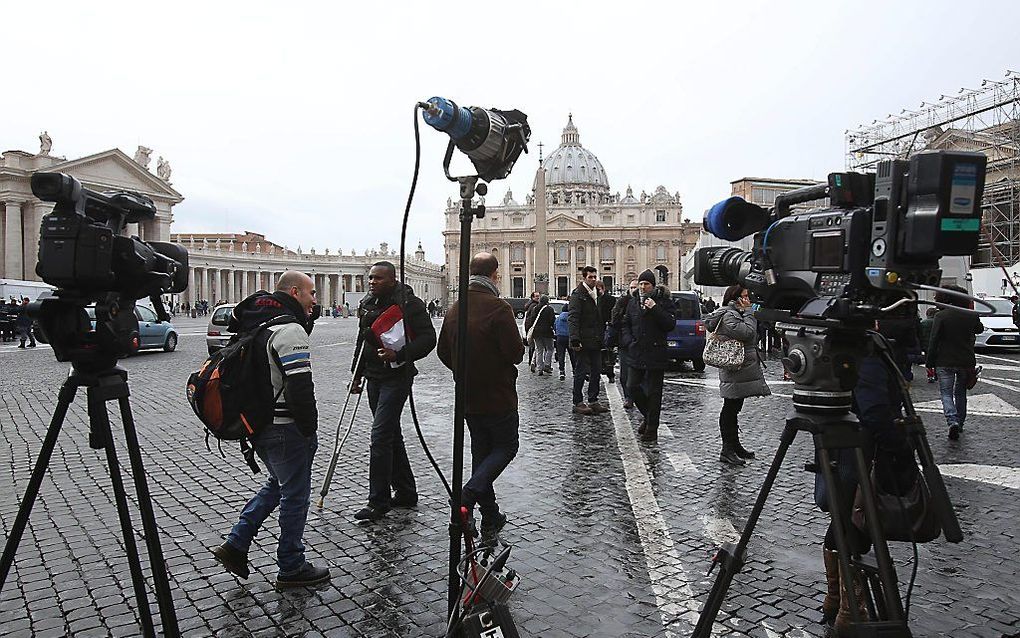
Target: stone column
507, 270
231, 289
13, 263
190, 294
541, 261
30, 225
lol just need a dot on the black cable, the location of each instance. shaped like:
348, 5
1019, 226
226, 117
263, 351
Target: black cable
403, 299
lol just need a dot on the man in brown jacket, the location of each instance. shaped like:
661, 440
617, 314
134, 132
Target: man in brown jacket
491, 387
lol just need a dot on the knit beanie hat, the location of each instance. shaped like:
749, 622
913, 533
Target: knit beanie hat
648, 276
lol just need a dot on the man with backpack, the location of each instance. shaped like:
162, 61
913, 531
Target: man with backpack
286, 442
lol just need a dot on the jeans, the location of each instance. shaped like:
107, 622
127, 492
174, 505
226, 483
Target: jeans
287, 455
953, 388
562, 351
646, 390
388, 466
494, 443
625, 373
587, 365
543, 352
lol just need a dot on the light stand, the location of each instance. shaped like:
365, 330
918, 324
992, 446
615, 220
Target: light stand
469, 186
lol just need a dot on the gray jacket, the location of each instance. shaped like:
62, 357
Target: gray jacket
740, 325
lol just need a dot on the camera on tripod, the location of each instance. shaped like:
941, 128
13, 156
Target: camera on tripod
880, 238
83, 253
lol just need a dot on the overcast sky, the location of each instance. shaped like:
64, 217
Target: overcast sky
295, 121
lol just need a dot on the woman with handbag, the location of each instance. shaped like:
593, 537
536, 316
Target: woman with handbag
735, 321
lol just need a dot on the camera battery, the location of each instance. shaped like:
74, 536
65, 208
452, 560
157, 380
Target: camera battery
498, 587
489, 621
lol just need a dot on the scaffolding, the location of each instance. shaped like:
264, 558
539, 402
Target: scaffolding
984, 120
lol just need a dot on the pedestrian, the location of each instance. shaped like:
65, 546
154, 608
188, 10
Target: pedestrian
925, 338
542, 335
395, 332
735, 320
529, 318
287, 445
24, 325
951, 353
606, 303
586, 334
649, 317
1016, 310
491, 409
617, 318
562, 332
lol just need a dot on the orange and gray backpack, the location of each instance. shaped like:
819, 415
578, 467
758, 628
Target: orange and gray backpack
224, 392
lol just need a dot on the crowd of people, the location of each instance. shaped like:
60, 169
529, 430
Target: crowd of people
15, 324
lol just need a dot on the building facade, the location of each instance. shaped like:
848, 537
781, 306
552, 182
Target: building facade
222, 267
571, 219
228, 267
23, 212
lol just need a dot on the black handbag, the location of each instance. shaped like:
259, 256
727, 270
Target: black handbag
909, 517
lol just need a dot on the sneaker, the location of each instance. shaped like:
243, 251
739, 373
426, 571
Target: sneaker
234, 560
532, 368
548, 371
404, 500
371, 513
541, 372
954, 432
307, 576
581, 408
491, 527
562, 376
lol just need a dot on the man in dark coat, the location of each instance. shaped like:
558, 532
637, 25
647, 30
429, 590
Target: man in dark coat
491, 387
617, 317
530, 309
396, 331
24, 324
951, 353
649, 318
586, 332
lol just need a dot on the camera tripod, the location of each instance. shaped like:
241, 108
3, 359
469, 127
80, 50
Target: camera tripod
105, 382
822, 359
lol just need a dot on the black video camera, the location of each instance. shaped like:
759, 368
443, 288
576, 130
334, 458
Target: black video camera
84, 255
880, 238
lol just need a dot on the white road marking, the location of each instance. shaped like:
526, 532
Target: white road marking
682, 464
714, 383
986, 356
999, 385
718, 529
1000, 367
978, 404
1008, 477
670, 583
332, 345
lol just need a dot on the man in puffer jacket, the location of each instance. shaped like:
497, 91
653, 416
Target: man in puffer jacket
650, 316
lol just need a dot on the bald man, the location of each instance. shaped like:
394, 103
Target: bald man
282, 357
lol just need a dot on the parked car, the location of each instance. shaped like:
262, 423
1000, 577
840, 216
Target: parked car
686, 342
558, 305
1000, 331
217, 334
152, 333
517, 303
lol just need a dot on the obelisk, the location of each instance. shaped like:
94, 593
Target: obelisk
541, 243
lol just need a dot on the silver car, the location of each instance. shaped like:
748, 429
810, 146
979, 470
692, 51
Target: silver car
1000, 331
217, 334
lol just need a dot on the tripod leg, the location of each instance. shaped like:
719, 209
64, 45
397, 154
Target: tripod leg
731, 562
99, 422
886, 570
152, 545
839, 531
66, 395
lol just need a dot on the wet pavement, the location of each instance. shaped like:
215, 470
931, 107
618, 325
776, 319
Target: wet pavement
611, 537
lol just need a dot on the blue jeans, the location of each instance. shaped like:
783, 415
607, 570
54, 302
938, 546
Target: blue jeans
953, 388
562, 351
287, 455
388, 466
494, 443
588, 365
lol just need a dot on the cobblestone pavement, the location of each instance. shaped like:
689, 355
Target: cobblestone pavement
612, 537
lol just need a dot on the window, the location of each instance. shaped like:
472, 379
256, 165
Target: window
144, 314
607, 218
517, 252
517, 220
608, 252
580, 254
660, 215
630, 219
630, 253
660, 252
562, 284
580, 218
562, 253
517, 287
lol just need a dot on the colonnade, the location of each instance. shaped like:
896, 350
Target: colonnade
232, 285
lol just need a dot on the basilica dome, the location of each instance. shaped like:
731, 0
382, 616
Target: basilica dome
573, 165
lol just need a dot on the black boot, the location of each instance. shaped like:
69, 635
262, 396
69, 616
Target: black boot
730, 456
728, 431
741, 452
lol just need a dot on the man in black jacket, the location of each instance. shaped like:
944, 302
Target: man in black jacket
586, 331
617, 317
649, 318
286, 445
951, 353
396, 331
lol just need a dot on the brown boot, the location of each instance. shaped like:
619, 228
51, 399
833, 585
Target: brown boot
830, 606
844, 618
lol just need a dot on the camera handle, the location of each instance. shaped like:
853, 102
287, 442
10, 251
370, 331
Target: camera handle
105, 385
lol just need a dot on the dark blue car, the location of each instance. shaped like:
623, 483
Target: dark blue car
687, 340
